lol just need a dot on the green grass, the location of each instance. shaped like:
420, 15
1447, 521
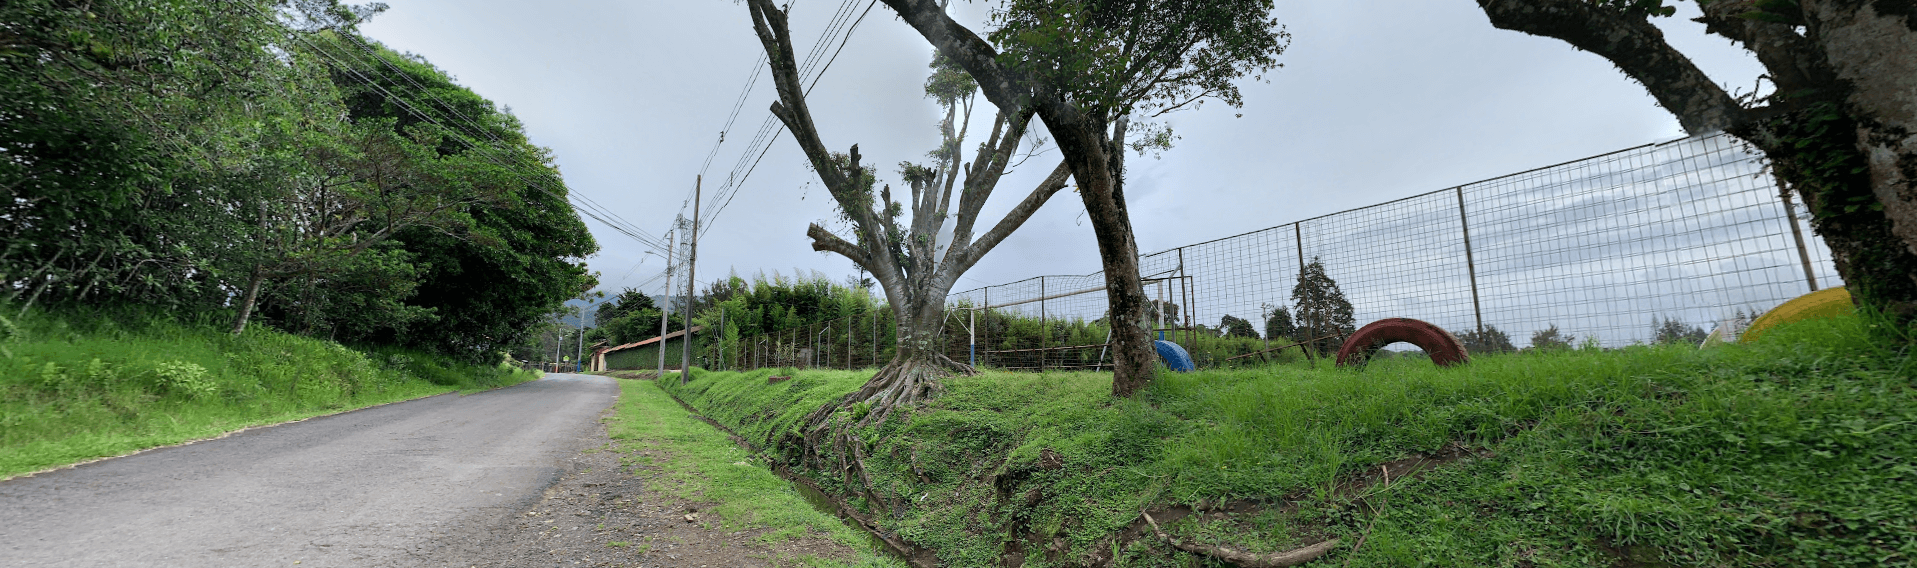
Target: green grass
1800, 450
705, 466
75, 388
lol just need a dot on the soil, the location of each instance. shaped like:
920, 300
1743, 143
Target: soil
601, 513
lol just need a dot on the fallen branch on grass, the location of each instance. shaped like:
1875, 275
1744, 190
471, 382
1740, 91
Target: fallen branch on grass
1246, 559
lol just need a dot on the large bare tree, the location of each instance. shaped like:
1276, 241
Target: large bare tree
1087, 68
1840, 127
901, 247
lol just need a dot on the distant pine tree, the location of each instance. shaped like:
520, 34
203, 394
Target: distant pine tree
1322, 309
1676, 331
1237, 327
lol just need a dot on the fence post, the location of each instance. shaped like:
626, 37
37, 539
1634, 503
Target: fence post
1044, 331
1790, 214
1470, 264
988, 325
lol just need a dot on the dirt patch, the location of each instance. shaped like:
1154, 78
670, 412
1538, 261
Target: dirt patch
601, 513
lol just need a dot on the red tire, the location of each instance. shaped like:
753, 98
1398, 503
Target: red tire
1444, 349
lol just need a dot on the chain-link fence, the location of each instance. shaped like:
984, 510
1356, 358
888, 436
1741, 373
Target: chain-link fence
1603, 249
1694, 230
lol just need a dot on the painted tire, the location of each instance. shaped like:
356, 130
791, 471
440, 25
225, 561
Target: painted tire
1820, 304
1444, 349
1174, 356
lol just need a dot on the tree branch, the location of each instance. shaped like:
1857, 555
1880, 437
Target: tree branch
825, 241
1635, 46
956, 264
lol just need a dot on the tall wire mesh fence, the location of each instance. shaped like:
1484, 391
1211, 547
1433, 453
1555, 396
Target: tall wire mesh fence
1603, 249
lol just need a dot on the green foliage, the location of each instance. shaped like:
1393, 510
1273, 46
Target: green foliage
1321, 307
1550, 338
136, 174
1278, 322
1675, 331
77, 385
1111, 57
1786, 451
1236, 327
777, 303
1491, 340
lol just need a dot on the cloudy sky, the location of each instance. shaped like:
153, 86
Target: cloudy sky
1378, 99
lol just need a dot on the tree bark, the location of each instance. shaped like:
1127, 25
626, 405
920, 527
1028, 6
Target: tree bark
248, 300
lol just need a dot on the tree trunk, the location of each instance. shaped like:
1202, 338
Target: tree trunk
247, 301
1817, 153
1134, 357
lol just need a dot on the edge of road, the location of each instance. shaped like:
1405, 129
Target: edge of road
254, 427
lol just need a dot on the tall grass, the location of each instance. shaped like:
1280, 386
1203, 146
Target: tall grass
77, 386
1797, 450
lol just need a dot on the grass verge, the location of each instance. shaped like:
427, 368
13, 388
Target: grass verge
76, 388
1798, 450
706, 467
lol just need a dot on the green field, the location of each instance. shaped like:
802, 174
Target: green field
76, 387
1800, 450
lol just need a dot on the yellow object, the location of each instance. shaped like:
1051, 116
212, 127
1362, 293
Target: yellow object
1820, 304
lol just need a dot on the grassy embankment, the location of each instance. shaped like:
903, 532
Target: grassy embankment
702, 465
1799, 450
74, 388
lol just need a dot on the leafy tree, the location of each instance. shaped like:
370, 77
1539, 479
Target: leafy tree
209, 156
1278, 322
1674, 331
1837, 126
901, 247
1237, 327
1087, 68
1550, 338
629, 300
1491, 340
1323, 313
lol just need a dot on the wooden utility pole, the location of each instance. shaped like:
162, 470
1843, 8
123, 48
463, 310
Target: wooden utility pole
692, 269
665, 308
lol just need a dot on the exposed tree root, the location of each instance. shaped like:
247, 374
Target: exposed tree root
1248, 560
901, 384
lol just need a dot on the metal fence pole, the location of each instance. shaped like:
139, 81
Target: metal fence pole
1790, 214
1470, 264
1044, 330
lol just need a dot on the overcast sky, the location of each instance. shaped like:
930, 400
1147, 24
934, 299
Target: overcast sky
1378, 99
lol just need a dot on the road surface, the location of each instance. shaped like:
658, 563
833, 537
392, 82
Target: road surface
376, 487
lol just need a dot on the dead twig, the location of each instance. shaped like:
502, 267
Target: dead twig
1374, 517
1292, 557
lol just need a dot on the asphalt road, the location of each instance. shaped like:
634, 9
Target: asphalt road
376, 487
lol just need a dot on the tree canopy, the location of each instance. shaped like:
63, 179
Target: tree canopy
208, 156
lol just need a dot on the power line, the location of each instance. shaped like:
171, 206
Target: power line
733, 181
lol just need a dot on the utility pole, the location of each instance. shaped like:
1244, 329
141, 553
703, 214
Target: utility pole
665, 308
692, 269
